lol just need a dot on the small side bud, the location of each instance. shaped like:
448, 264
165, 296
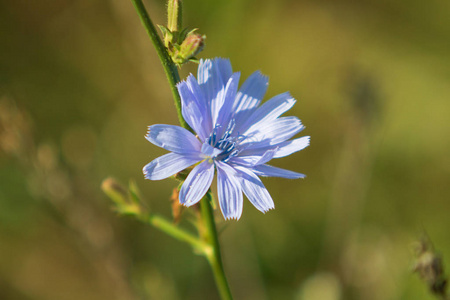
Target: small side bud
174, 15
182, 44
124, 202
191, 46
116, 192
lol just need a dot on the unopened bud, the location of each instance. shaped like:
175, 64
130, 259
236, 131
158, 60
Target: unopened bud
121, 197
115, 191
174, 15
191, 46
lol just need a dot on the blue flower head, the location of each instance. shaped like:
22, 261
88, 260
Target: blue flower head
236, 136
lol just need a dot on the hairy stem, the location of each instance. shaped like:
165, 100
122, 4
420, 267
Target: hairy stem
172, 230
212, 252
213, 256
169, 67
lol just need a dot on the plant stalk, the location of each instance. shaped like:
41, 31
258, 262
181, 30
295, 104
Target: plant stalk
212, 253
214, 256
169, 67
172, 230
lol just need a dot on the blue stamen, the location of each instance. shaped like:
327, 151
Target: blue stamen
227, 143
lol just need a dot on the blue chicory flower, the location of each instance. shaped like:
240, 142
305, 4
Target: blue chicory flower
235, 136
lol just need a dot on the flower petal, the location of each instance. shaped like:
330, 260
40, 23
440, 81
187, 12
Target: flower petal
203, 103
253, 160
255, 190
273, 132
195, 89
210, 151
221, 107
284, 149
270, 171
213, 75
249, 96
269, 111
197, 183
170, 164
293, 146
173, 138
229, 191
193, 110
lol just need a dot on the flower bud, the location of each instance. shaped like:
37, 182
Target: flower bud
191, 46
115, 191
126, 202
174, 15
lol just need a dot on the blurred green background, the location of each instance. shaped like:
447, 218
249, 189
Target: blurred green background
80, 82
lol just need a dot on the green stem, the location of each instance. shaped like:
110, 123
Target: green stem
214, 256
212, 252
169, 67
180, 234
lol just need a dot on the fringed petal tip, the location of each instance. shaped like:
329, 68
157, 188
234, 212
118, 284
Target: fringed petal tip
232, 218
185, 81
144, 172
307, 140
261, 75
147, 174
266, 210
149, 130
234, 215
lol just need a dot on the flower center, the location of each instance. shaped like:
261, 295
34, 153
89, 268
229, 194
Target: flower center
224, 148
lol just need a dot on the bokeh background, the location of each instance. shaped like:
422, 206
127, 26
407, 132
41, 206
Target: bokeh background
80, 82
